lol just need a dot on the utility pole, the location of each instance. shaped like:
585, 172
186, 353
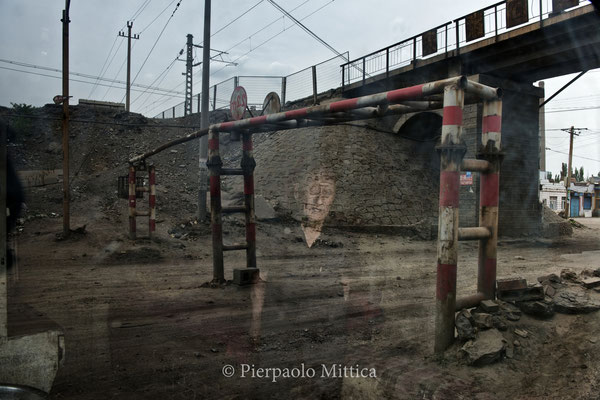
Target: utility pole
572, 133
129, 37
65, 122
188, 74
542, 119
204, 122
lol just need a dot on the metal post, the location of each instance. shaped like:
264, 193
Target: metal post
414, 49
65, 121
284, 87
214, 166
152, 200
236, 81
163, 115
132, 194
214, 97
248, 165
344, 76
489, 196
204, 120
3, 235
541, 13
364, 70
457, 38
199, 102
446, 40
314, 81
387, 62
452, 151
173, 111
188, 74
496, 21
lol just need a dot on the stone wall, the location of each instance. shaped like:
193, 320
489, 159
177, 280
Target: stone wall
379, 173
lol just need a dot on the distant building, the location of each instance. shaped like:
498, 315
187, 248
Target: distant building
582, 199
553, 195
596, 208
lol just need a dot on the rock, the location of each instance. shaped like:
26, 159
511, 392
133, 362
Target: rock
519, 258
516, 343
571, 302
541, 309
487, 348
489, 306
568, 275
549, 290
521, 332
465, 323
509, 352
511, 283
590, 283
510, 312
483, 320
597, 272
499, 324
553, 278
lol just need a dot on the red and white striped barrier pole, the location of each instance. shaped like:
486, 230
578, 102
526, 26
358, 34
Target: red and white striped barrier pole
248, 165
214, 164
452, 151
152, 200
132, 194
489, 196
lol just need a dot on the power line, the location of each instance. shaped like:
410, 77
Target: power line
80, 81
562, 152
83, 121
277, 34
155, 18
155, 43
235, 19
311, 33
98, 78
158, 77
102, 71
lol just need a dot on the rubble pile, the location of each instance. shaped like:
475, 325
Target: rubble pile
492, 331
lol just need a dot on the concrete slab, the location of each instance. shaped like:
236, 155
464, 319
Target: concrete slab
31, 360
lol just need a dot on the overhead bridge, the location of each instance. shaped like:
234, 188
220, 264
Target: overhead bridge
510, 40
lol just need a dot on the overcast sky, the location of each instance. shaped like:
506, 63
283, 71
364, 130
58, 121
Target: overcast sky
31, 33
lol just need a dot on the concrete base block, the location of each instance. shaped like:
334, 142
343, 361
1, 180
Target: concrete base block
31, 360
246, 276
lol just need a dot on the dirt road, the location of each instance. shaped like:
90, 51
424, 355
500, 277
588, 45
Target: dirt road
139, 322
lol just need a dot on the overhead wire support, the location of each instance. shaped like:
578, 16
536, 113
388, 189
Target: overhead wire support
129, 37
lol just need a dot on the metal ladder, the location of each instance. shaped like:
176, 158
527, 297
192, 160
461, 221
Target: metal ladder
215, 166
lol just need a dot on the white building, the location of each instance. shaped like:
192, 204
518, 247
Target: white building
554, 195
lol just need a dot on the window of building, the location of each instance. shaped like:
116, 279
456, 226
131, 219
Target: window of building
553, 202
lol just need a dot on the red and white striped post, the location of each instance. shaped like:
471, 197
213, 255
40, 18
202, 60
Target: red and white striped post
214, 164
452, 151
152, 200
132, 194
248, 165
489, 196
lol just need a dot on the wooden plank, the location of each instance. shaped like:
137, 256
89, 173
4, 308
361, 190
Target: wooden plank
474, 25
517, 12
429, 42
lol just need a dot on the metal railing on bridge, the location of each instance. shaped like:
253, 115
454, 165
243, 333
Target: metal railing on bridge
302, 84
477, 26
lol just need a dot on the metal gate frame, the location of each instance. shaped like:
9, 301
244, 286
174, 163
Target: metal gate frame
452, 150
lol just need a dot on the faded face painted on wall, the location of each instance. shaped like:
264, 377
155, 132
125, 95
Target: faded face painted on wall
318, 197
